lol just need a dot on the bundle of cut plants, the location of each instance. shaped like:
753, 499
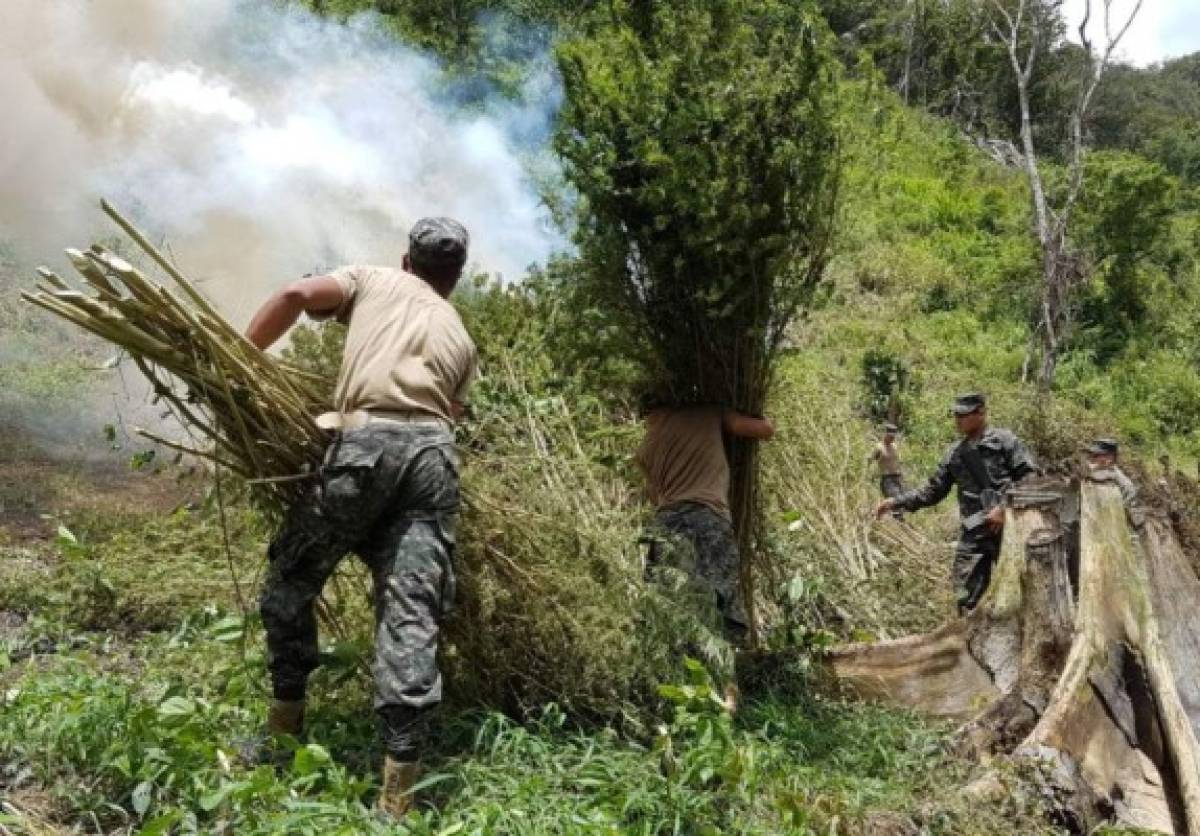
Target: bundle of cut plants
244, 410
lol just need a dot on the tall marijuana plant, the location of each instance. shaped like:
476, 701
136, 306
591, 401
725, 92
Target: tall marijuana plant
701, 138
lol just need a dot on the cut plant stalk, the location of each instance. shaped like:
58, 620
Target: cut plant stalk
253, 414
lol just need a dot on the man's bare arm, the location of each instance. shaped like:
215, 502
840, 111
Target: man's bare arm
747, 426
316, 295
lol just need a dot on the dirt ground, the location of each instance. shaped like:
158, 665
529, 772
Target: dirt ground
38, 493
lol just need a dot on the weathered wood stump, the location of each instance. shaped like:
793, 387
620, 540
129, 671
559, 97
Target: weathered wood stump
1083, 655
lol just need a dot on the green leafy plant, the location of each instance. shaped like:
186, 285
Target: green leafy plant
884, 380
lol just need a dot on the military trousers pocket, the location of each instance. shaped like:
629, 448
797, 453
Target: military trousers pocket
346, 478
430, 482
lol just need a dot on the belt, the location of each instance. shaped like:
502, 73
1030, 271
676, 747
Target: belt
360, 418
410, 417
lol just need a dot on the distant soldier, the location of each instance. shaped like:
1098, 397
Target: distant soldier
983, 466
887, 458
687, 478
1102, 460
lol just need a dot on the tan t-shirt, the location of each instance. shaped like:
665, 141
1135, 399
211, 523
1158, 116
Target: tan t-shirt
683, 458
887, 457
406, 347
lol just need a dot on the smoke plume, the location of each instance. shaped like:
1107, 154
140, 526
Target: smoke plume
260, 141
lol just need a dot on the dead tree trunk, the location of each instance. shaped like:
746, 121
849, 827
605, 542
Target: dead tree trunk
1084, 655
1021, 26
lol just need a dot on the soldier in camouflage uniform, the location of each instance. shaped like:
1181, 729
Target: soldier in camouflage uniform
1102, 457
387, 489
983, 466
687, 478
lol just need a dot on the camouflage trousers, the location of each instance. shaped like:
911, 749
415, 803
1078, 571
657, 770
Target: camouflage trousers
891, 485
389, 493
711, 557
974, 556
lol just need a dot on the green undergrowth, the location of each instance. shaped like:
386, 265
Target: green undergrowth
138, 708
140, 571
937, 276
161, 742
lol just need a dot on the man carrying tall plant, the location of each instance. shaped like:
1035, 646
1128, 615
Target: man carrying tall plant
687, 478
386, 490
702, 140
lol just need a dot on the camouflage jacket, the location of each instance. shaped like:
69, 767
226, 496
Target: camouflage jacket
1114, 474
1004, 456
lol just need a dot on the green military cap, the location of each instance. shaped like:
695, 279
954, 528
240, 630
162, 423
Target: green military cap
438, 242
1104, 447
966, 404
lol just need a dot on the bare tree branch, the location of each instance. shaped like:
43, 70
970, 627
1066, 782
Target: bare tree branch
1007, 17
1092, 75
1137, 7
1083, 25
1060, 270
1033, 48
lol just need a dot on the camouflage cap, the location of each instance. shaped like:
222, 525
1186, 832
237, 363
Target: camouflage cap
1104, 447
438, 242
966, 404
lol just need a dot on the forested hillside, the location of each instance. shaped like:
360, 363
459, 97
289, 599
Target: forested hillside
938, 227
132, 675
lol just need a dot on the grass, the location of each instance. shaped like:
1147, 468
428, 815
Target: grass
134, 693
131, 574
124, 753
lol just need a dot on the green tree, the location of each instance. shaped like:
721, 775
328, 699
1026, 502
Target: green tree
701, 138
1154, 111
493, 41
1124, 222
942, 55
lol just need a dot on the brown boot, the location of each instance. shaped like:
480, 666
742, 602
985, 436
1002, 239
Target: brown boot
285, 717
395, 796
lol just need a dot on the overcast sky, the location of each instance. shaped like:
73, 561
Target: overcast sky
1163, 28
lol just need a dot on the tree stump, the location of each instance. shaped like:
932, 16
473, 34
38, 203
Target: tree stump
1083, 655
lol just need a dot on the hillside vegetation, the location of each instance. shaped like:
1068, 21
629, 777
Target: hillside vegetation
132, 678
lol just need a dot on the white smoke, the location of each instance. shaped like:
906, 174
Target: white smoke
258, 142
261, 142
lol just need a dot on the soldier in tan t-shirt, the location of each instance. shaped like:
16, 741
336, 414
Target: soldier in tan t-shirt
387, 489
687, 479
886, 457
